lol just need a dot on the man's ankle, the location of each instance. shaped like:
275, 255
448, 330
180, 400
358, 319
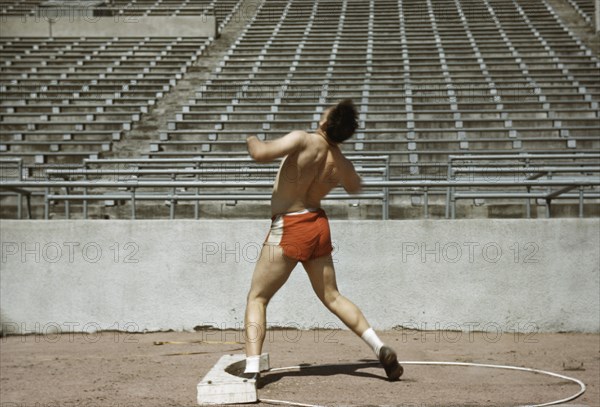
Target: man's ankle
371, 338
252, 364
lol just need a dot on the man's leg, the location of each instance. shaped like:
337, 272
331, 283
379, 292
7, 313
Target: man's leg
322, 277
270, 273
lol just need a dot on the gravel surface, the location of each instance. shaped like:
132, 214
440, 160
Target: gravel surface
121, 369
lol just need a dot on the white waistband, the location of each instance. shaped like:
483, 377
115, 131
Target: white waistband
307, 210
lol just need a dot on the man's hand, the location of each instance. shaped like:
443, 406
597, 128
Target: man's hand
351, 181
252, 143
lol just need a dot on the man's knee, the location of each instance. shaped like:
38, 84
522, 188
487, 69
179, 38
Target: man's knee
330, 298
257, 298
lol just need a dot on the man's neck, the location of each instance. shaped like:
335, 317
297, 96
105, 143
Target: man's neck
322, 134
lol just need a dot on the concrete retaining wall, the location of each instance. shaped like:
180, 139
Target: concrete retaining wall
537, 275
117, 26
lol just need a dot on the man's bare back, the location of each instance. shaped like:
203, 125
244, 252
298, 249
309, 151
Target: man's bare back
312, 167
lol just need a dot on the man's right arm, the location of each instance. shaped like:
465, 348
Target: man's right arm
268, 151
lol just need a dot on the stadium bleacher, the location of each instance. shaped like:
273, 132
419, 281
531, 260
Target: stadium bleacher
443, 87
478, 77
68, 98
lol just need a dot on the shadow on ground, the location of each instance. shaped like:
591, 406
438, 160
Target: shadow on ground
351, 369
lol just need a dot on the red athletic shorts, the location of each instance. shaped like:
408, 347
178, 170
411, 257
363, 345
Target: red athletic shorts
302, 235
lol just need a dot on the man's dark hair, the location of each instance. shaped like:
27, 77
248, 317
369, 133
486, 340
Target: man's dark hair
341, 122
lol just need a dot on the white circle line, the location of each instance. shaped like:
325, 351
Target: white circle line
507, 367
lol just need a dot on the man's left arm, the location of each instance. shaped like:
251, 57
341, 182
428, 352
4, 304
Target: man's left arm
270, 150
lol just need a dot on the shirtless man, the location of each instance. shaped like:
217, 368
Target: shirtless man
313, 166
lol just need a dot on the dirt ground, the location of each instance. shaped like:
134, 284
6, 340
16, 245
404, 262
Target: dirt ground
118, 369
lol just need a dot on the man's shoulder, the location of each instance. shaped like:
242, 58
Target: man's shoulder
299, 136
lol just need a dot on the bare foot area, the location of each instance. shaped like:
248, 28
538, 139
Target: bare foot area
163, 369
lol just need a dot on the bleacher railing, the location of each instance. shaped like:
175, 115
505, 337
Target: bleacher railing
582, 176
